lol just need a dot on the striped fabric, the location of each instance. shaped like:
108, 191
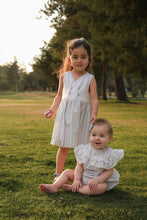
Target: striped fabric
73, 115
95, 161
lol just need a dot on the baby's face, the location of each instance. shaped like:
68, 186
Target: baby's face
99, 137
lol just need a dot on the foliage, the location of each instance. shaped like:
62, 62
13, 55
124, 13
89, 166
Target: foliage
14, 78
27, 159
116, 30
139, 86
9, 76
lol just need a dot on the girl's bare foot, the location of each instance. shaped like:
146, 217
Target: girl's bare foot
67, 187
49, 188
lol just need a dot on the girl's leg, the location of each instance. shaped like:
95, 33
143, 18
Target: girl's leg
67, 175
60, 159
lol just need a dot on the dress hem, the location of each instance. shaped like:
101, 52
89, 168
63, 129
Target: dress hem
56, 145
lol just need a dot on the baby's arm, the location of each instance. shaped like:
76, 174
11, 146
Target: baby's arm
93, 99
57, 99
102, 178
77, 178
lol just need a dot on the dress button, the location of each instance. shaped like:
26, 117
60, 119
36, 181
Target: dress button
78, 94
71, 88
69, 93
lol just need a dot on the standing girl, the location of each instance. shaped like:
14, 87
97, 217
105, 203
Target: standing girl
76, 101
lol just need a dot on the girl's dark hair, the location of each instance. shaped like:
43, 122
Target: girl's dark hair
102, 121
70, 46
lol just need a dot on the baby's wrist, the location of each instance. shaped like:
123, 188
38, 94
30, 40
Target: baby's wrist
98, 181
77, 180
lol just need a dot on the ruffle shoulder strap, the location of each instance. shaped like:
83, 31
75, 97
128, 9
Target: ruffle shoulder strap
112, 157
81, 153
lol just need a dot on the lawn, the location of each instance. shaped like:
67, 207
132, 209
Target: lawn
27, 159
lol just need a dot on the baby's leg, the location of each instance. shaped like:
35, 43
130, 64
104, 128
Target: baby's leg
49, 188
67, 187
67, 175
101, 188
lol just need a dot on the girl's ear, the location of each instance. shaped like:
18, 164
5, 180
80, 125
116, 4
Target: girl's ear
68, 59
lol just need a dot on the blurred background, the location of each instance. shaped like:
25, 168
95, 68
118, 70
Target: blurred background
34, 34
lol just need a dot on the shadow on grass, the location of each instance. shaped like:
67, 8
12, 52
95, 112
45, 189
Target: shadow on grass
10, 184
115, 203
50, 163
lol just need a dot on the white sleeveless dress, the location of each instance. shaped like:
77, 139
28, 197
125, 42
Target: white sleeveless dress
74, 112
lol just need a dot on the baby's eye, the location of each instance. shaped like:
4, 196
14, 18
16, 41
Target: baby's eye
102, 135
93, 135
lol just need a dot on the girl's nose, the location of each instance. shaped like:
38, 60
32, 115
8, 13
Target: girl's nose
79, 59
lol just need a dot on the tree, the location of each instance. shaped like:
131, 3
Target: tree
116, 29
44, 67
9, 75
52, 54
3, 78
73, 13
14, 72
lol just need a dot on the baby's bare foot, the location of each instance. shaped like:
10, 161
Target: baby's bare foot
67, 187
49, 188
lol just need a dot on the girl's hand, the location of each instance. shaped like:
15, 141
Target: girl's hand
76, 185
92, 119
48, 113
93, 184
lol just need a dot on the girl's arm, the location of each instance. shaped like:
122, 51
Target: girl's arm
105, 175
94, 100
57, 98
77, 178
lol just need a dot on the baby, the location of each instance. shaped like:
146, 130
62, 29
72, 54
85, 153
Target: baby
95, 172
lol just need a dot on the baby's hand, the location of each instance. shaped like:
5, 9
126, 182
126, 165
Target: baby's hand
76, 185
93, 184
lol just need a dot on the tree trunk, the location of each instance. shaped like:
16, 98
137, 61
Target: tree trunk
16, 82
120, 88
104, 87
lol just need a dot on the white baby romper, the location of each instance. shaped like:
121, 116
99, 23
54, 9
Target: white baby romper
73, 115
95, 161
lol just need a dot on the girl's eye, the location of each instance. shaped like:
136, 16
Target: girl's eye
93, 135
102, 135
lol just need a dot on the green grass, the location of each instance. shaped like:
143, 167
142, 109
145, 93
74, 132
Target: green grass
27, 159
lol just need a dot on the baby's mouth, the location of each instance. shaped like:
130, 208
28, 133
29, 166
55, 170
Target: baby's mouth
97, 143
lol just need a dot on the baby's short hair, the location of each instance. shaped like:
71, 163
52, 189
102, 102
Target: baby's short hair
102, 121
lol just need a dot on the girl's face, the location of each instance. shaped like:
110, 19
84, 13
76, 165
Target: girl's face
99, 137
79, 59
